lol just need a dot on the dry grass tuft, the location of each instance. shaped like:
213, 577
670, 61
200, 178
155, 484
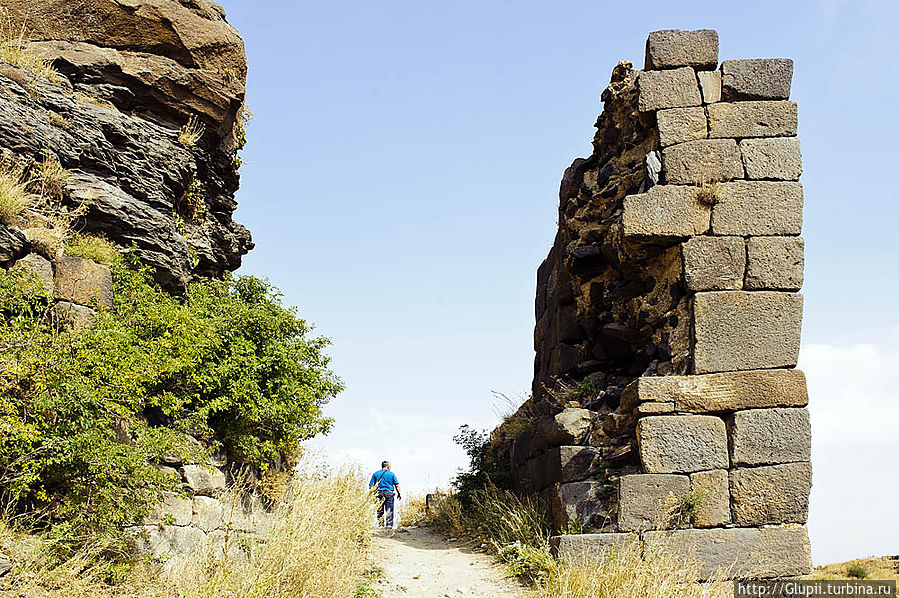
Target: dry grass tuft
92, 247
192, 132
15, 197
14, 50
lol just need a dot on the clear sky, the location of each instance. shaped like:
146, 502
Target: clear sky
401, 183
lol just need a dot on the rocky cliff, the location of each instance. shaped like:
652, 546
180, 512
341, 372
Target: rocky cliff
144, 108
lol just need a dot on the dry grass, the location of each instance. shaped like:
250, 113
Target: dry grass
92, 247
14, 50
886, 567
15, 197
414, 511
191, 132
50, 177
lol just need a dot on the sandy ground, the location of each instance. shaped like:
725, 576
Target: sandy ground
420, 564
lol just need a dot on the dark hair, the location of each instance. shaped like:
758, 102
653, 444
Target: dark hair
385, 463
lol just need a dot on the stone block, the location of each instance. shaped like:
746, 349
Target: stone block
737, 552
564, 464
14, 244
67, 314
777, 158
665, 211
775, 263
579, 548
729, 391
583, 502
758, 208
702, 161
672, 48
208, 513
203, 479
173, 509
567, 427
653, 408
711, 490
39, 267
757, 79
644, 500
164, 541
736, 330
710, 86
714, 263
84, 282
770, 436
682, 443
753, 119
677, 125
771, 494
667, 89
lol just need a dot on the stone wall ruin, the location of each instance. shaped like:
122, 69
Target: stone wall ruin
668, 321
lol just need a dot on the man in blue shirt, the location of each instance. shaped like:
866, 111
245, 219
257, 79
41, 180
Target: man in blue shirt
384, 483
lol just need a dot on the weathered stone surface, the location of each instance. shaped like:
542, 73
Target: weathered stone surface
668, 89
665, 211
677, 125
83, 282
770, 436
758, 208
580, 502
587, 547
757, 79
738, 552
682, 443
174, 509
702, 161
5, 564
653, 408
674, 48
568, 427
753, 119
714, 263
203, 479
564, 464
710, 86
710, 490
644, 500
13, 244
208, 513
165, 541
775, 263
40, 268
736, 330
772, 494
777, 158
723, 392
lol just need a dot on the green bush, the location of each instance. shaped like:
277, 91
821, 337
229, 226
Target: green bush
84, 415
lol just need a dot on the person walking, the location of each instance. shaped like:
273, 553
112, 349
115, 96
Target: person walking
385, 484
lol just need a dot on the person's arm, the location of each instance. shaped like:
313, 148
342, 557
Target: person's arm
399, 495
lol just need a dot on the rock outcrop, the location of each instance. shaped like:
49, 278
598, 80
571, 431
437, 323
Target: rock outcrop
147, 119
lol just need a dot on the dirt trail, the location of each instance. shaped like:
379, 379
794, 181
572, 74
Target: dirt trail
418, 563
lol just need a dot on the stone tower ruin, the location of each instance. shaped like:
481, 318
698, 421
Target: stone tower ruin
668, 321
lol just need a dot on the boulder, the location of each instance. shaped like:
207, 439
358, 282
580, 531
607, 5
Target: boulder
84, 282
203, 479
77, 317
13, 244
39, 267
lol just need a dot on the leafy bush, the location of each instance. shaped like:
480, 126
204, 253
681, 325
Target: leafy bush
85, 414
92, 247
484, 468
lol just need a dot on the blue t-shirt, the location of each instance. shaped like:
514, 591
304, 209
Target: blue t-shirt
386, 477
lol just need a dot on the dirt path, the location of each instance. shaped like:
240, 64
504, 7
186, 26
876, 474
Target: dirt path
420, 564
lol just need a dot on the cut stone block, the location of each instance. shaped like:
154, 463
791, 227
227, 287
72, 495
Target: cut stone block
208, 513
772, 494
652, 408
753, 119
579, 548
671, 48
174, 509
677, 125
711, 490
721, 392
682, 443
77, 317
645, 499
710, 86
758, 208
736, 330
737, 552
714, 263
777, 158
83, 282
39, 267
775, 263
757, 79
564, 464
567, 427
581, 502
667, 89
702, 161
165, 541
203, 480
770, 436
665, 211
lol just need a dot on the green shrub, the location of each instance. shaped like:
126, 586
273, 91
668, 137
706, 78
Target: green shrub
92, 247
85, 414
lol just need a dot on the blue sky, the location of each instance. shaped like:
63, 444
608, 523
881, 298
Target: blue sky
401, 183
